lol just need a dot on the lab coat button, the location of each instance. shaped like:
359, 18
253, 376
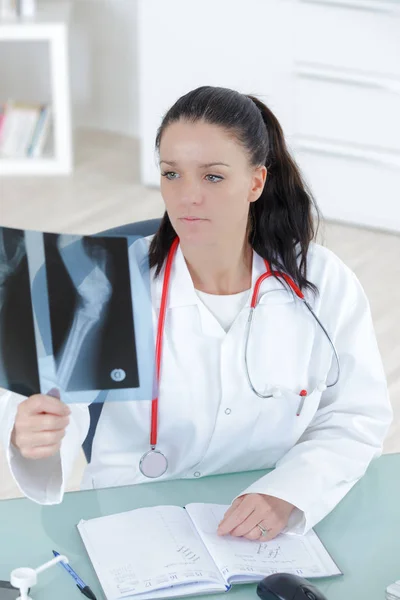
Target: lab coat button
228, 411
197, 473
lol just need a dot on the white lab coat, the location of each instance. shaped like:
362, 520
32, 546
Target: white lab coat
211, 422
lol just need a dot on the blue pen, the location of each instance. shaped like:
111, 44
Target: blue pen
83, 588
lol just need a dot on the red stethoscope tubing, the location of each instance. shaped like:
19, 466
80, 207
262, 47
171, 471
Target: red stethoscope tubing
161, 322
159, 340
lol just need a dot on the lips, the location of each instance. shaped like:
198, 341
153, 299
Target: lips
192, 219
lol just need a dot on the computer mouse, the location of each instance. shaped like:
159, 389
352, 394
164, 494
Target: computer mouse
284, 586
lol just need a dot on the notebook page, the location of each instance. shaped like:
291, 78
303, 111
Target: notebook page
241, 560
178, 591
147, 549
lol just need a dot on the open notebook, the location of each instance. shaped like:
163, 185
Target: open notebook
169, 551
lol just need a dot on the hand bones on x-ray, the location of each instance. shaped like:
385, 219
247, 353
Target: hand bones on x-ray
8, 264
94, 292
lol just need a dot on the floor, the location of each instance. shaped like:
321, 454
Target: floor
104, 192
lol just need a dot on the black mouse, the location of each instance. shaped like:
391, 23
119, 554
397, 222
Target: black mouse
283, 586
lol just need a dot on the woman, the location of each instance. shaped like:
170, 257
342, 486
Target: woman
234, 199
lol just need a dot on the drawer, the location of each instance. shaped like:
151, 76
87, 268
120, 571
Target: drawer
352, 189
354, 34
360, 114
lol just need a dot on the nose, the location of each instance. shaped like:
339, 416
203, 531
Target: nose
191, 193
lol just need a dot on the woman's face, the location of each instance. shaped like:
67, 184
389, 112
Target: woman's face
207, 182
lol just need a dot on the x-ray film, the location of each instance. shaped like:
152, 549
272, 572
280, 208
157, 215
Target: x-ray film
78, 312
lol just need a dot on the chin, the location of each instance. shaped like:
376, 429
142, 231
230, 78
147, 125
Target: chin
193, 239
197, 234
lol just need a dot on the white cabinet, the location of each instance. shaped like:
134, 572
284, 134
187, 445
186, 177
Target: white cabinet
329, 69
346, 109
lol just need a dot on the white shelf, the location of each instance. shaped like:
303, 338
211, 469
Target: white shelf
13, 167
49, 24
48, 13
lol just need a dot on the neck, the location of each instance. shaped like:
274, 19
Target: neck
220, 269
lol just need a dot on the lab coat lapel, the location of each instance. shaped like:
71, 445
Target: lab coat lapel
182, 293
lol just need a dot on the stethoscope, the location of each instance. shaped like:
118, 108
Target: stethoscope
154, 463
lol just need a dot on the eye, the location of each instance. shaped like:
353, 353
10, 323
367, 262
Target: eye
169, 175
216, 178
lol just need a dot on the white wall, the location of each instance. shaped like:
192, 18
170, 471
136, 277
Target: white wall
103, 63
103, 53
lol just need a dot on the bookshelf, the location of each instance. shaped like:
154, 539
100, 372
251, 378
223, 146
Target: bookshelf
50, 24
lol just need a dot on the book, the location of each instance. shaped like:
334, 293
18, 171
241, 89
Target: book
393, 591
40, 133
24, 129
19, 123
170, 551
2, 121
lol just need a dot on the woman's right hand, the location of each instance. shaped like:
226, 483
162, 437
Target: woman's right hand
40, 426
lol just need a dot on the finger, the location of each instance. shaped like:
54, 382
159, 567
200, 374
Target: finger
248, 524
254, 534
45, 422
54, 392
236, 503
46, 438
232, 507
46, 404
35, 440
264, 538
236, 517
271, 533
40, 452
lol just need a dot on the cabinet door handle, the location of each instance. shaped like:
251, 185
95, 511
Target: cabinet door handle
357, 78
318, 146
366, 5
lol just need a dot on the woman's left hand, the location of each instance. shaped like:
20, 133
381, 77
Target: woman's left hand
249, 511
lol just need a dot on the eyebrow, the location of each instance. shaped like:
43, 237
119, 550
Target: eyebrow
173, 163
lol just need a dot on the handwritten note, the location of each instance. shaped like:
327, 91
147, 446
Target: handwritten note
241, 559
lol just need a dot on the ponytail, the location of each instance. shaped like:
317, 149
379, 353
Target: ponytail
282, 219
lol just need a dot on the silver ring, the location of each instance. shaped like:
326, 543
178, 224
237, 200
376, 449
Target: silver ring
262, 529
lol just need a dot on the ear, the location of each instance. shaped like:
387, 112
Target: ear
258, 182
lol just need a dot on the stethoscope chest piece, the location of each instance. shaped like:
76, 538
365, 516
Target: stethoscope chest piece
153, 464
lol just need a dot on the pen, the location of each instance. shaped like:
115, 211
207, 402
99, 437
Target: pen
83, 588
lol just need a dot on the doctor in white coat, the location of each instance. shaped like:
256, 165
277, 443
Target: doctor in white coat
236, 207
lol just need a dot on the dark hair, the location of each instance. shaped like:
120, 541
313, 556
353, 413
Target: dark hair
281, 221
